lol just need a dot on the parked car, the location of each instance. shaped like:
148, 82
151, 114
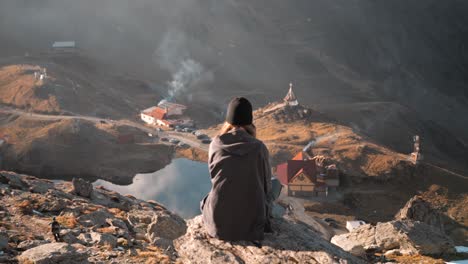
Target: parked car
174, 141
202, 136
206, 141
164, 139
179, 130
183, 145
198, 133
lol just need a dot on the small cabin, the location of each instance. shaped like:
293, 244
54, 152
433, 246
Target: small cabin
299, 176
304, 176
64, 47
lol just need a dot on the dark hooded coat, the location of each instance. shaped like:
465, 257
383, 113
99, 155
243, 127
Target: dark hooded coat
238, 205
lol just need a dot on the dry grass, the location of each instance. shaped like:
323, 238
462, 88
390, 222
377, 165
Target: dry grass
192, 153
118, 213
19, 88
416, 259
107, 230
25, 206
153, 256
67, 221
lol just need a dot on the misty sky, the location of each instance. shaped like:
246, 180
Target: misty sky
413, 53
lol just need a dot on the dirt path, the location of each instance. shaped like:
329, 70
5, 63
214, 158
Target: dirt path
170, 134
447, 171
298, 212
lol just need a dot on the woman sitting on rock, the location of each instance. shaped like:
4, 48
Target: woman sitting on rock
238, 206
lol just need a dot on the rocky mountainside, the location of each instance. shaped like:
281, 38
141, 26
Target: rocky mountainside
74, 84
102, 226
287, 130
337, 54
65, 148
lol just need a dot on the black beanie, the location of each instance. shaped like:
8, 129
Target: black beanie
239, 112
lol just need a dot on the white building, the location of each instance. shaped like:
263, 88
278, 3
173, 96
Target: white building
172, 109
290, 98
351, 225
64, 46
155, 116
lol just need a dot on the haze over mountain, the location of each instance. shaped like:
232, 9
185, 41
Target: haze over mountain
378, 66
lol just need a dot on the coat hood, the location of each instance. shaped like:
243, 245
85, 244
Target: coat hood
237, 142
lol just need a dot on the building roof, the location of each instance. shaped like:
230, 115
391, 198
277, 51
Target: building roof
303, 171
282, 173
301, 156
290, 97
169, 105
286, 171
155, 112
64, 44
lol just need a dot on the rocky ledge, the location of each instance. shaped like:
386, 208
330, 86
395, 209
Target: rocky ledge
290, 243
97, 225
416, 230
102, 226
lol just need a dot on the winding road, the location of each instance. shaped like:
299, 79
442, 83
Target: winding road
183, 137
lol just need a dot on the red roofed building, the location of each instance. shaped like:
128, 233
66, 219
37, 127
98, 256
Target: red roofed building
299, 175
166, 114
155, 116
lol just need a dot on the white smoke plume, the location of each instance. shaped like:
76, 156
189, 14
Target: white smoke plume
173, 54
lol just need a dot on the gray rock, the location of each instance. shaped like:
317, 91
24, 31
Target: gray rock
3, 240
358, 241
166, 226
117, 223
68, 236
419, 210
53, 205
292, 243
139, 217
82, 188
85, 239
40, 187
97, 218
139, 221
54, 253
27, 244
103, 239
111, 200
409, 237
15, 181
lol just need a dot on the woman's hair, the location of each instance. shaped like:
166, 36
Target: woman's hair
251, 129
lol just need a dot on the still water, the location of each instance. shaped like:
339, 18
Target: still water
180, 186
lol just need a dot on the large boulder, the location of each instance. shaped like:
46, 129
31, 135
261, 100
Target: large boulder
3, 240
419, 210
28, 244
358, 241
97, 218
409, 237
103, 239
139, 220
14, 180
52, 204
82, 188
164, 228
40, 186
54, 253
291, 243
